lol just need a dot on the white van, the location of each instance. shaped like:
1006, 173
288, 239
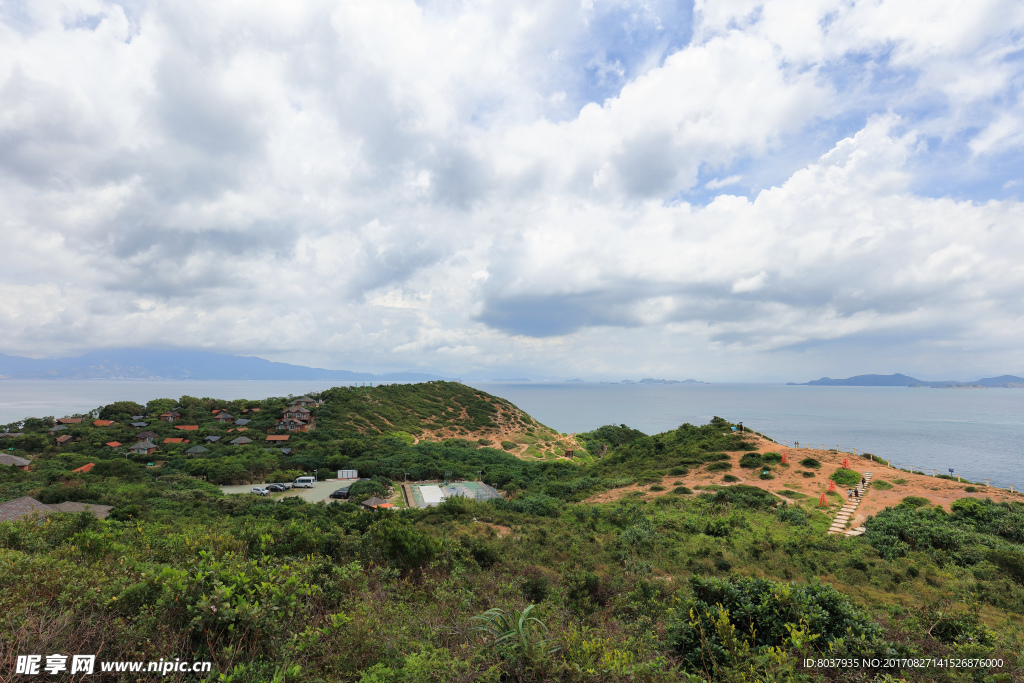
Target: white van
304, 483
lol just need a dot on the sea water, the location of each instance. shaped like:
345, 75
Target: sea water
978, 433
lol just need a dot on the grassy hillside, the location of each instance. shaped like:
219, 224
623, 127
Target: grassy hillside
663, 583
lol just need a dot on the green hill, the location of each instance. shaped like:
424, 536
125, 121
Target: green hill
730, 585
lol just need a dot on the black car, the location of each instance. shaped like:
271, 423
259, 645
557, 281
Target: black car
341, 493
277, 488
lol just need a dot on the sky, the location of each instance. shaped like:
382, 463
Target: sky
728, 191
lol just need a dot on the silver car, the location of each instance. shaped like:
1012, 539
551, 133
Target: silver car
260, 491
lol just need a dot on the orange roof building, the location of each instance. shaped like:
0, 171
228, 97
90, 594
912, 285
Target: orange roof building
278, 437
187, 428
102, 423
112, 444
171, 439
84, 468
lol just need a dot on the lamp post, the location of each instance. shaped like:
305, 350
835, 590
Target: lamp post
315, 477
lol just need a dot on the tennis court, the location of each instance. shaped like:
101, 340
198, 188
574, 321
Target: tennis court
429, 495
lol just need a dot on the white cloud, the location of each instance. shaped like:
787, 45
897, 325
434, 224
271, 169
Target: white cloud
718, 184
389, 184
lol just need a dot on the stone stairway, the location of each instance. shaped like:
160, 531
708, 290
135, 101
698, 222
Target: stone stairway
844, 516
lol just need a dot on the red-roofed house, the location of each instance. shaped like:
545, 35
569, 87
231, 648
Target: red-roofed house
70, 420
102, 423
112, 444
187, 428
170, 416
84, 468
175, 440
278, 437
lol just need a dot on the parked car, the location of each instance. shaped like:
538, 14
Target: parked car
260, 491
304, 483
340, 493
277, 488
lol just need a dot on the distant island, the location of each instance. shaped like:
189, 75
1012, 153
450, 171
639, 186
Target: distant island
898, 380
177, 365
649, 380
512, 379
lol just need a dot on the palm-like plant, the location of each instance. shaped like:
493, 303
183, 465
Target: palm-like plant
518, 631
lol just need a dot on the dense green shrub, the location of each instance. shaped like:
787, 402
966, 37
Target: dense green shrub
361, 490
539, 505
881, 485
751, 461
792, 515
772, 457
845, 477
810, 462
713, 622
743, 497
397, 543
914, 502
730, 478
719, 467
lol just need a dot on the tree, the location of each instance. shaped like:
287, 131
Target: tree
121, 411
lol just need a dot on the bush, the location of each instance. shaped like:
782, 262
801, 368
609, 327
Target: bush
845, 477
430, 665
810, 462
719, 467
914, 502
767, 475
679, 471
399, 544
721, 613
808, 475
657, 487
682, 490
881, 485
364, 489
508, 445
744, 497
970, 489
731, 478
792, 515
772, 457
751, 461
539, 505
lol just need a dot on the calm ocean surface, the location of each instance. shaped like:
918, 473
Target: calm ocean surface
977, 432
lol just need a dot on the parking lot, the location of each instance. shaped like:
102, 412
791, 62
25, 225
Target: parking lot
320, 491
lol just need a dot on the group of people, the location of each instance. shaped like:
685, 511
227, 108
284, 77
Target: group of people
855, 493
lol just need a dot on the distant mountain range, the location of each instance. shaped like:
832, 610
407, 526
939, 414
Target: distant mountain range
898, 380
149, 364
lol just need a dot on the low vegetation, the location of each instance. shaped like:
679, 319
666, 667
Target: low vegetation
725, 583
